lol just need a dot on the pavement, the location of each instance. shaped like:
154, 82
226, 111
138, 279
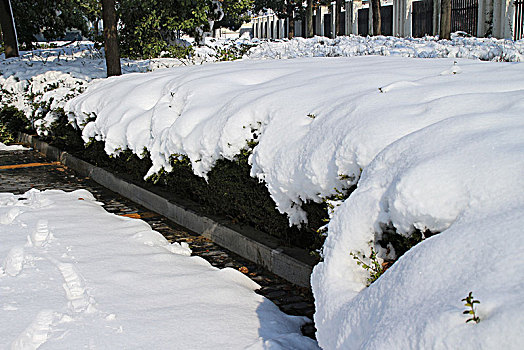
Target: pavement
22, 170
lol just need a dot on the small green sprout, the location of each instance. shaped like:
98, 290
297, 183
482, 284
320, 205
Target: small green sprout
374, 267
470, 303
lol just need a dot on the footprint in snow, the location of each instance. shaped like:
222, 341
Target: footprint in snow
75, 288
37, 333
14, 262
41, 235
8, 217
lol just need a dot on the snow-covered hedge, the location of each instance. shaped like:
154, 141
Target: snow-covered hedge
434, 144
461, 176
439, 144
229, 191
41, 81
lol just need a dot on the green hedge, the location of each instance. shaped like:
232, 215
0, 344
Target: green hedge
11, 122
230, 191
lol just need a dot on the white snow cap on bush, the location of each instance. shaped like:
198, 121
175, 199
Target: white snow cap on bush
207, 113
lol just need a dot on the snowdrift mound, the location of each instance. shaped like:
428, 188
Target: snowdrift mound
460, 176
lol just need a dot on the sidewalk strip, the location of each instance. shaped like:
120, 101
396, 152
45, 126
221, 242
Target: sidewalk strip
292, 264
29, 165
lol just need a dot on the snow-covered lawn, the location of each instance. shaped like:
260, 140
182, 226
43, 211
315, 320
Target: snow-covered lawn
434, 144
73, 276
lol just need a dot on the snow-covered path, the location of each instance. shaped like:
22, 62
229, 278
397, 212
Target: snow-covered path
74, 276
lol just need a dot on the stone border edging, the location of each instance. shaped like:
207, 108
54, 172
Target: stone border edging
271, 257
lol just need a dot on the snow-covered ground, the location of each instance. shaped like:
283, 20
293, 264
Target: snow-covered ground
434, 144
73, 276
440, 143
486, 49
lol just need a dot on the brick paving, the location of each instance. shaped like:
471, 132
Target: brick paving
35, 171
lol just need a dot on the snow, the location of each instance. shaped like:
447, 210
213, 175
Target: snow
74, 276
433, 144
207, 113
42, 80
461, 176
486, 49
47, 78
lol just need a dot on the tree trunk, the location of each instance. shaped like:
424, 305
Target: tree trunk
7, 23
445, 19
377, 23
95, 28
309, 19
291, 16
338, 19
291, 31
111, 38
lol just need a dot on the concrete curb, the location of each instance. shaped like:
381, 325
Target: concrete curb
263, 250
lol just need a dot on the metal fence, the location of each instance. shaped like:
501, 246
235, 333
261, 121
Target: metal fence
422, 20
342, 15
519, 20
386, 20
328, 31
363, 22
464, 16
